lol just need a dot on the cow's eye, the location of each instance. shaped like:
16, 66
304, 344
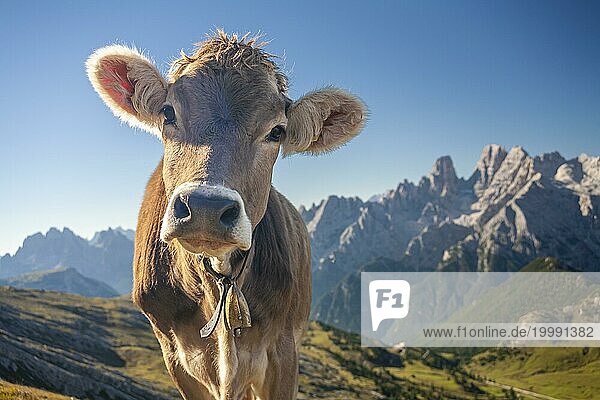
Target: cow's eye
275, 134
169, 113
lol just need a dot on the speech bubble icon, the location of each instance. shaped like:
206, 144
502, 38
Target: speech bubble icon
389, 300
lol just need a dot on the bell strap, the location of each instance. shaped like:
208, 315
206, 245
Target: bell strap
231, 298
210, 326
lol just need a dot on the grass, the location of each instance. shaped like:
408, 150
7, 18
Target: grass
410, 375
10, 391
564, 373
109, 334
419, 373
333, 364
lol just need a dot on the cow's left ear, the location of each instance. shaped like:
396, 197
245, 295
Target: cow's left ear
322, 121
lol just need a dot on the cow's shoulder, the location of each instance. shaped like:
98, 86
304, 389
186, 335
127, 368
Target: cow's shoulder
153, 288
280, 279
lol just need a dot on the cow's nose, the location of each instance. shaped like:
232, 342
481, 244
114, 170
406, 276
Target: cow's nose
201, 210
206, 219
203, 213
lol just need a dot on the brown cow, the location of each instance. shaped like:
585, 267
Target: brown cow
222, 260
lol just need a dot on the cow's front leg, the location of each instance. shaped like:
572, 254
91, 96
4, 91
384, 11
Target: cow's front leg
281, 375
187, 385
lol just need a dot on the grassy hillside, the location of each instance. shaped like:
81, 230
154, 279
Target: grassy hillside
348, 371
103, 348
10, 391
84, 347
563, 373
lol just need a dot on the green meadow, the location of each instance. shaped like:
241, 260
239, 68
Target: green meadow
92, 341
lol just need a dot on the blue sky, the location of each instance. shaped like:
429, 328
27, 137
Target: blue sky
440, 78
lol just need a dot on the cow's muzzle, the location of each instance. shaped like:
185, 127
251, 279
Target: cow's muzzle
206, 219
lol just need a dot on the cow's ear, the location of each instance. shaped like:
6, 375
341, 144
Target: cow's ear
129, 84
322, 121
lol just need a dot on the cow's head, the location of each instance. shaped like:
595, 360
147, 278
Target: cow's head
222, 114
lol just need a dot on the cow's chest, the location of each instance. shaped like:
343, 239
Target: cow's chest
223, 363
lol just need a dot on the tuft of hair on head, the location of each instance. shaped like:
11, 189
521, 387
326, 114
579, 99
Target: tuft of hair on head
221, 50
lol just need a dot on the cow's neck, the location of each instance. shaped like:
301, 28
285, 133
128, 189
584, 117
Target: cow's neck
232, 264
222, 265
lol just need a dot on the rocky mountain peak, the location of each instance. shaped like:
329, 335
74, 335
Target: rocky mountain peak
107, 258
516, 158
515, 171
489, 162
580, 168
570, 172
591, 170
105, 237
53, 240
36, 237
330, 208
54, 233
548, 163
581, 175
128, 233
443, 179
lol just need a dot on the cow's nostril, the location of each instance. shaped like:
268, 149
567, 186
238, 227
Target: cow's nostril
180, 209
230, 215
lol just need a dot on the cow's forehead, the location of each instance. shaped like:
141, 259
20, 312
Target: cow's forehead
228, 95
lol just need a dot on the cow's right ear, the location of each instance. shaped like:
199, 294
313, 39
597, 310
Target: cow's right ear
129, 84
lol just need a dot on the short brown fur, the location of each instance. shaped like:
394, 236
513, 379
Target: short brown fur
277, 287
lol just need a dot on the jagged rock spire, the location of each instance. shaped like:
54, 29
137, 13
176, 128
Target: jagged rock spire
443, 179
489, 162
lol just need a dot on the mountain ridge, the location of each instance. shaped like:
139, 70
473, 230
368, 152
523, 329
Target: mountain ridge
513, 208
63, 279
107, 257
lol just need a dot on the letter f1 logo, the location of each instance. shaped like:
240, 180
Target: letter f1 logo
389, 300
